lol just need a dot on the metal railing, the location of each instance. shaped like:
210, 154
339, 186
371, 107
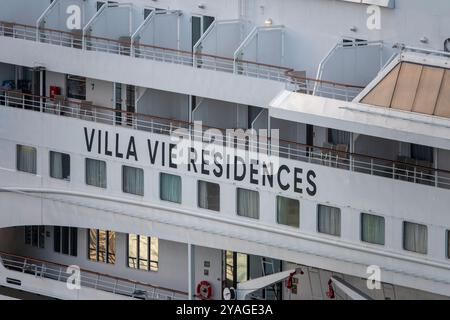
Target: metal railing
343, 160
135, 49
89, 279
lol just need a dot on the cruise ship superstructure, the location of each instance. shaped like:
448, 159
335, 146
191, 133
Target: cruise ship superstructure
345, 193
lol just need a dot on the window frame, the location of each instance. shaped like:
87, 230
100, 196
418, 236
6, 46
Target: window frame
404, 223
362, 214
198, 195
85, 173
97, 245
237, 204
18, 146
50, 165
160, 187
143, 180
278, 214
318, 225
138, 259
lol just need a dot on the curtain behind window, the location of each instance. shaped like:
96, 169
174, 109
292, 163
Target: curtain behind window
56, 165
248, 203
372, 229
415, 237
329, 220
133, 180
209, 195
26, 159
288, 212
96, 173
170, 188
338, 137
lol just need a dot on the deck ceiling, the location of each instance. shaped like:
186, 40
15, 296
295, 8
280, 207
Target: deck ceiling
413, 87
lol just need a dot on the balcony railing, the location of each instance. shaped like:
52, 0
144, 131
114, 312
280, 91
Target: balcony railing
197, 60
89, 279
341, 160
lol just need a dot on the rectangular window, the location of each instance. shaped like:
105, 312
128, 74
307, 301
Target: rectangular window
372, 229
170, 187
208, 195
133, 180
102, 246
143, 252
35, 236
65, 240
288, 212
26, 159
415, 237
448, 244
59, 165
96, 173
76, 87
248, 203
57, 239
329, 220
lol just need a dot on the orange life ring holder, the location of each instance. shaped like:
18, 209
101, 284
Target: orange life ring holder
204, 290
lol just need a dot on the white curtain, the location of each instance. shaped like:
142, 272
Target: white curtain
372, 229
133, 180
248, 203
96, 173
288, 212
209, 195
26, 159
170, 188
329, 220
56, 165
415, 237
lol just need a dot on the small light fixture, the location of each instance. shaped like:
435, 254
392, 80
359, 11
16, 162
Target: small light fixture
424, 40
268, 22
201, 6
353, 29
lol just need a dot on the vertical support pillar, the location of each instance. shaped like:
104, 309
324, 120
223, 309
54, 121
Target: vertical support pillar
191, 271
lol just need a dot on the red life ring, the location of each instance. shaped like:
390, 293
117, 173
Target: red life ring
204, 290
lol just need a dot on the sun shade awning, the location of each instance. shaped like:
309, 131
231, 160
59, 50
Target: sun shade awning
413, 87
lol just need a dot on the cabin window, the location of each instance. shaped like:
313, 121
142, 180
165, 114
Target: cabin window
35, 236
133, 180
415, 237
208, 195
422, 153
170, 187
102, 246
143, 252
26, 159
288, 212
65, 240
96, 173
76, 87
248, 203
59, 165
372, 229
447, 248
329, 220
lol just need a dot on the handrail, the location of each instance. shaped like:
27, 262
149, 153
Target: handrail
187, 125
97, 274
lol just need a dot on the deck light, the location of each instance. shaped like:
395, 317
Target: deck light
268, 22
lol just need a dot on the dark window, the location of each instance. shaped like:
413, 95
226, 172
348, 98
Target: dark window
65, 240
59, 165
76, 87
35, 236
422, 153
57, 239
208, 195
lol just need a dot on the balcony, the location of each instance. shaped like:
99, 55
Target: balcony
132, 43
329, 156
19, 267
